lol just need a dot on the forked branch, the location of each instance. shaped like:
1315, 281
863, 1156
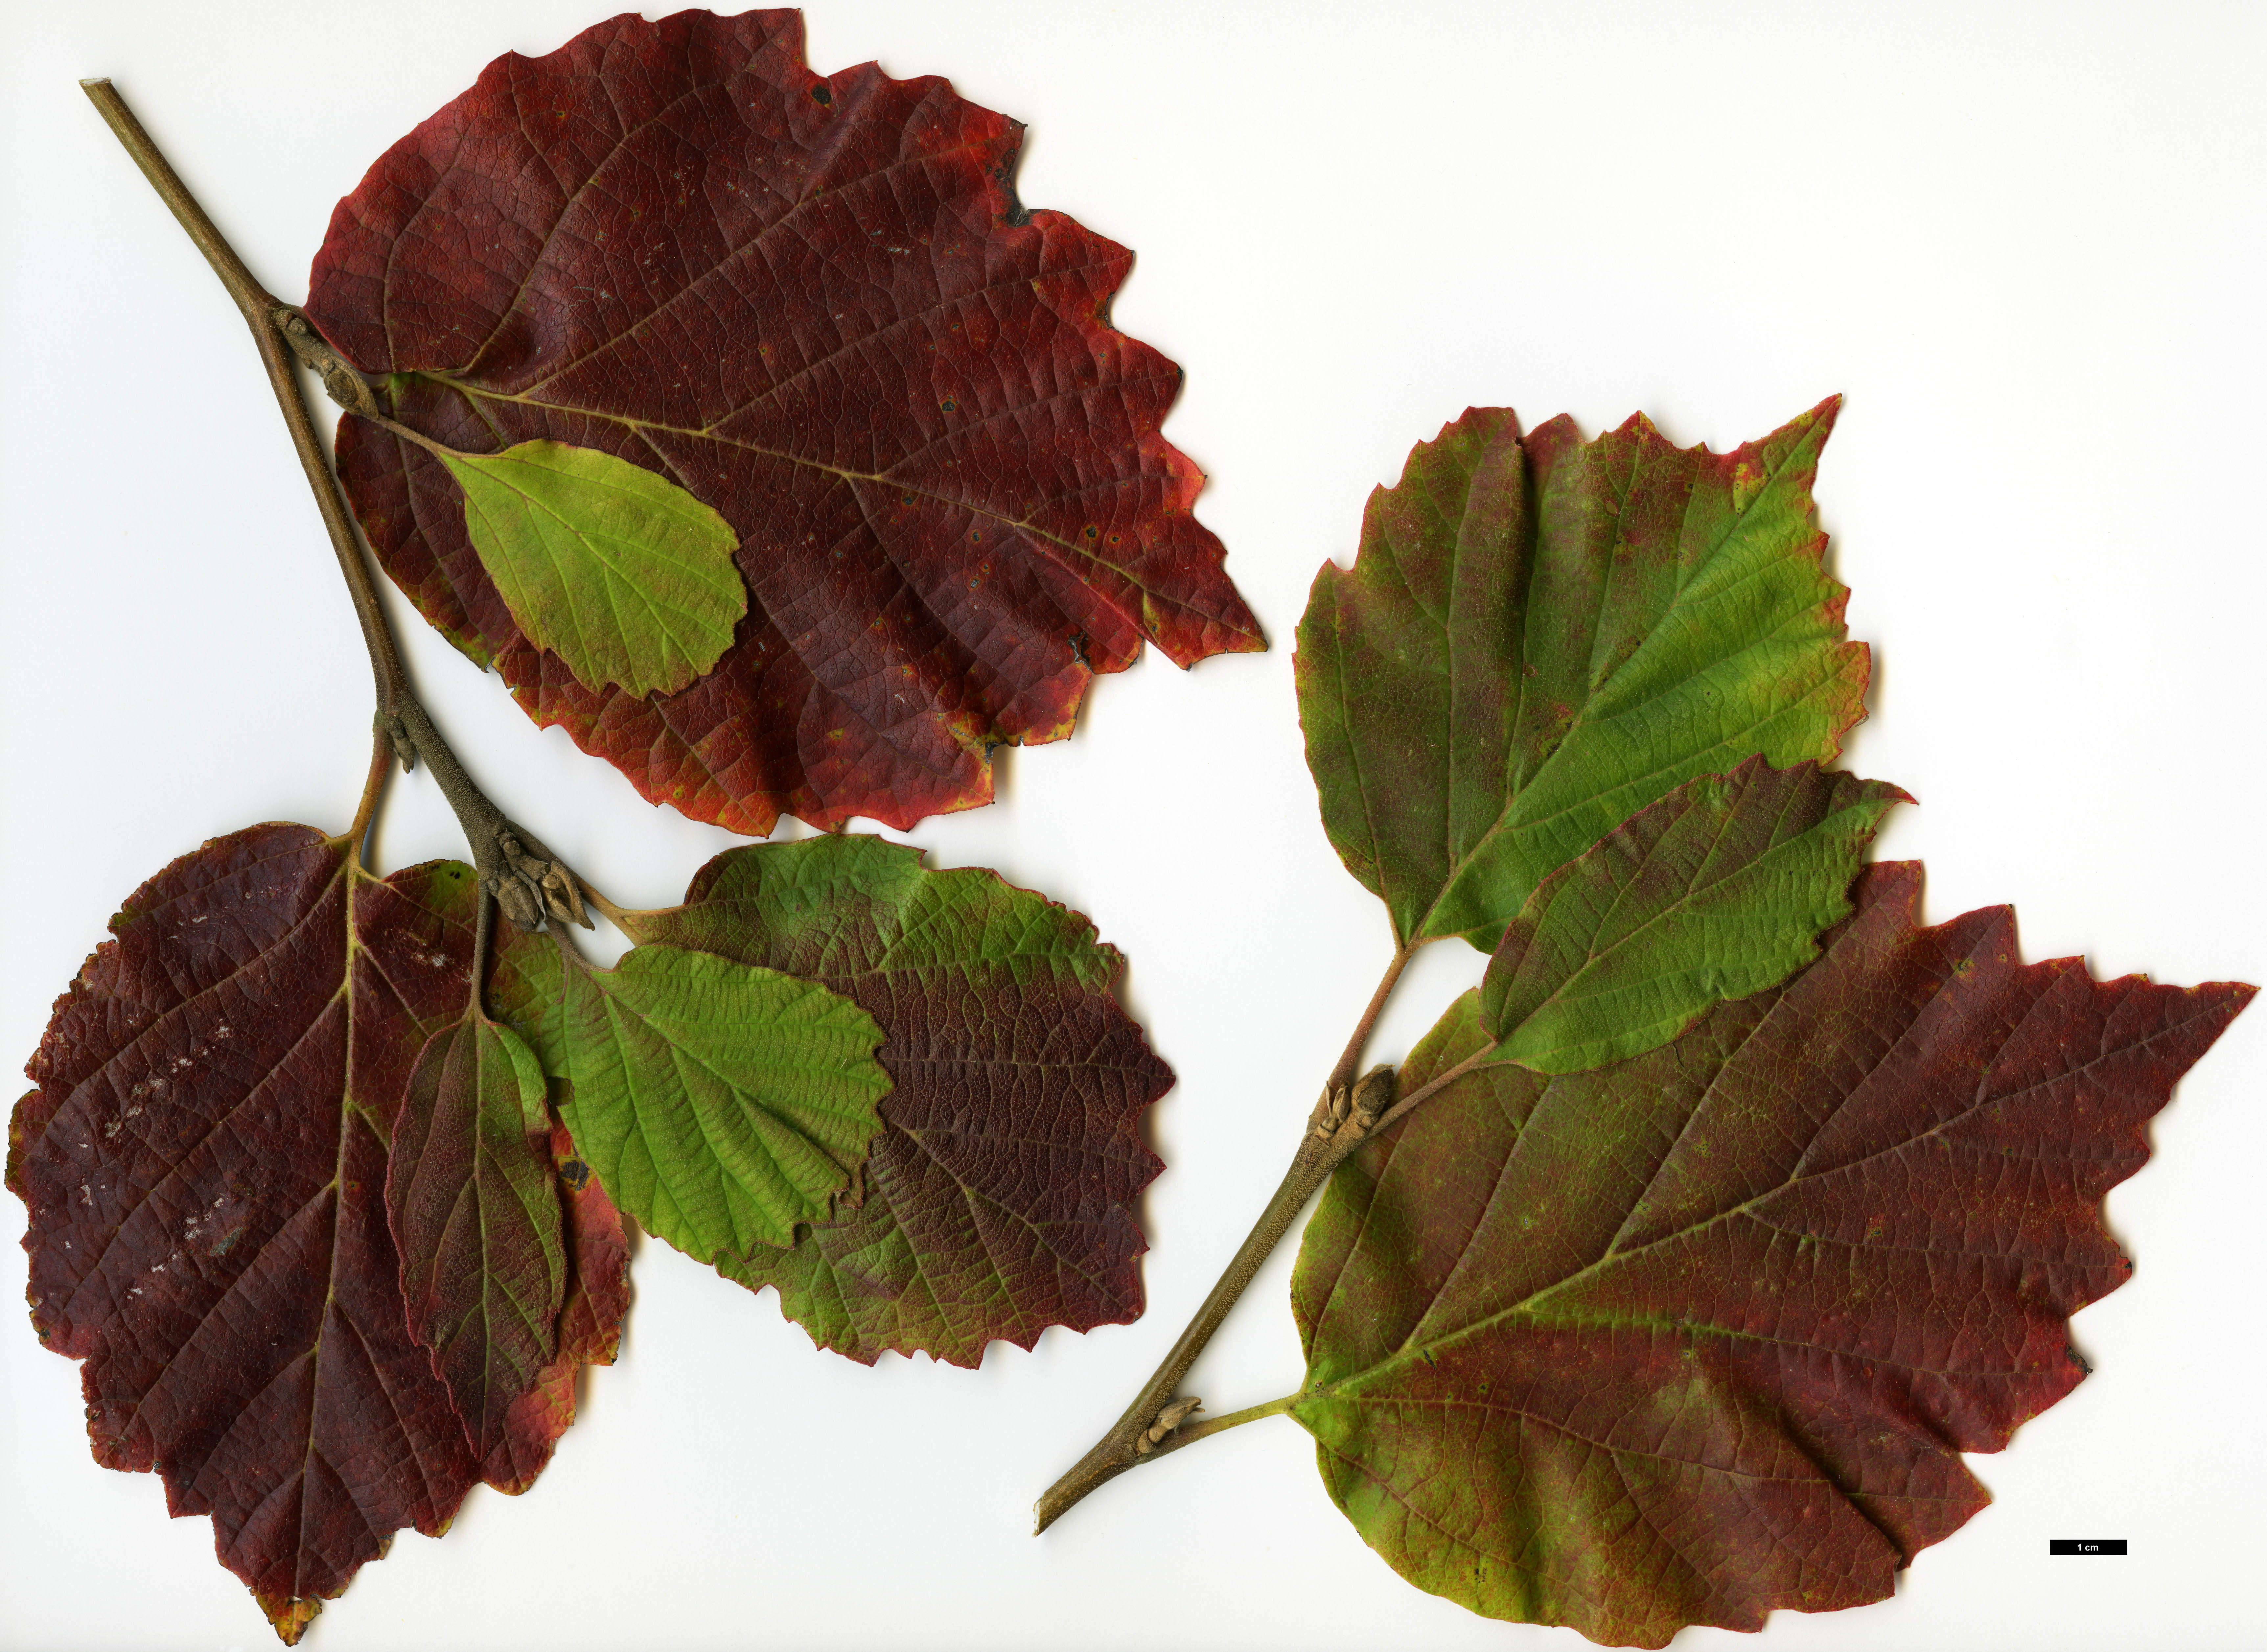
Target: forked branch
1341, 1122
527, 880
1347, 1115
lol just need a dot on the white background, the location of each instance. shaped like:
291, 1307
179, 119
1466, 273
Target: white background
2025, 240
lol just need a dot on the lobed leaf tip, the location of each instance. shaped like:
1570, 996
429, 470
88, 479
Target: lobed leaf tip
289, 1618
1815, 424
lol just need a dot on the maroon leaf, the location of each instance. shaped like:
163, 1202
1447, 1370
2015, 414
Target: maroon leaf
1703, 1334
474, 1211
816, 305
204, 1163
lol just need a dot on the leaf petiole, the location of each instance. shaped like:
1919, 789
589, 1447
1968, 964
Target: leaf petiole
1342, 1075
1434, 1087
438, 450
483, 942
1190, 1433
381, 764
629, 921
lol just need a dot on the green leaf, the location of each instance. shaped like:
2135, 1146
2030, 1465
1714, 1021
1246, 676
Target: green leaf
718, 1103
1719, 889
1702, 1335
1540, 637
618, 571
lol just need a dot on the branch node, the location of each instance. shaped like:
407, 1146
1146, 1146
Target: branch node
531, 887
344, 383
1372, 1096
1171, 1417
397, 733
1349, 1114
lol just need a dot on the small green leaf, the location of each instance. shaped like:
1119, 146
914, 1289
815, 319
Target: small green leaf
618, 571
1718, 890
719, 1104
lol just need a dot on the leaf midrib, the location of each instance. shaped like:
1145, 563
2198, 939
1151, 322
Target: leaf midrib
1412, 1350
1503, 823
1690, 894
1066, 549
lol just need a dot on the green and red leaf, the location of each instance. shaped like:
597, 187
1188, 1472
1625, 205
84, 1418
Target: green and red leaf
1718, 890
1542, 636
816, 305
623, 574
1002, 1194
1703, 1334
590, 1323
474, 1209
719, 1104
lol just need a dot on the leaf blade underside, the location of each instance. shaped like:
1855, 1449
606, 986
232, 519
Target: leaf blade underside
1701, 1335
1002, 1195
1718, 890
204, 1164
953, 502
719, 1105
1541, 635
625, 576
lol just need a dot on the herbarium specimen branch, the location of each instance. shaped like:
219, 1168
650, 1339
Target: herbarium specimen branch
1664, 1283
329, 1187
1613, 954
1732, 1206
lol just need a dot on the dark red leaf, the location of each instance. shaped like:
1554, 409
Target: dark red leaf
817, 305
1703, 1334
204, 1164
